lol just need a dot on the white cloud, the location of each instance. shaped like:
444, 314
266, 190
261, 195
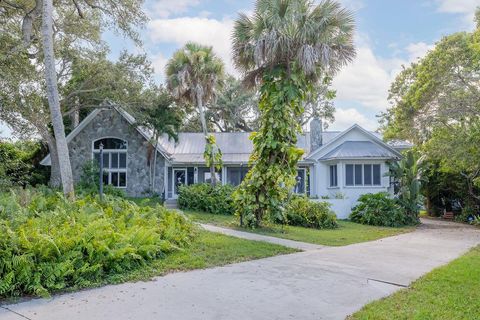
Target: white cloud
464, 7
366, 80
166, 8
158, 62
345, 118
418, 50
178, 31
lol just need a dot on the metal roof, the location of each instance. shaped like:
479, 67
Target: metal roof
358, 149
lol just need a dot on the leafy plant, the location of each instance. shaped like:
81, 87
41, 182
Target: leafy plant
300, 211
379, 209
216, 199
287, 47
48, 243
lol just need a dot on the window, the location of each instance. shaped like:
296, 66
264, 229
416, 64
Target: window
300, 181
114, 160
235, 175
207, 177
362, 175
333, 176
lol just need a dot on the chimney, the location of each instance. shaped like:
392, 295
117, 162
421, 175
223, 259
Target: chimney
315, 134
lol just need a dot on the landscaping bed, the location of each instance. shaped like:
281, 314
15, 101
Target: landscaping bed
49, 244
346, 233
448, 292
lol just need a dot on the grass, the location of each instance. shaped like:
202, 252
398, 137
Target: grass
208, 250
449, 292
347, 233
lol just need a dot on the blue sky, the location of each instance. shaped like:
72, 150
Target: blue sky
389, 34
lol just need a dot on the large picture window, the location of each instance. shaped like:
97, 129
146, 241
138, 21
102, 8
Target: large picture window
114, 160
363, 175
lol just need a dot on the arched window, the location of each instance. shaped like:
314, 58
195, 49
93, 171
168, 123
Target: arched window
114, 160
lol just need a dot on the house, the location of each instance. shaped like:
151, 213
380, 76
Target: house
336, 164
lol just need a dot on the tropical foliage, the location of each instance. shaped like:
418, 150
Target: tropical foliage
207, 198
48, 243
435, 103
407, 176
380, 209
20, 164
193, 75
286, 47
301, 211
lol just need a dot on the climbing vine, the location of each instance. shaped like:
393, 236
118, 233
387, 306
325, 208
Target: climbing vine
275, 155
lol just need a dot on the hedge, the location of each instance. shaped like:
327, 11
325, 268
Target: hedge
205, 197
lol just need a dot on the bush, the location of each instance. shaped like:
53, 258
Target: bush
48, 243
378, 209
300, 211
205, 197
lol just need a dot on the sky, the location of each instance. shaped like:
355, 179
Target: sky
389, 34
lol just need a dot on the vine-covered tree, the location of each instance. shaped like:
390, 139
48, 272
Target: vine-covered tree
194, 74
286, 47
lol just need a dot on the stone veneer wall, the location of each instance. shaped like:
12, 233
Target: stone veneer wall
109, 123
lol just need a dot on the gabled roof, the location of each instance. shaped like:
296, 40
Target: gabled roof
107, 105
358, 149
373, 136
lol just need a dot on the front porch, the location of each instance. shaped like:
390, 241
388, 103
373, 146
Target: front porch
233, 174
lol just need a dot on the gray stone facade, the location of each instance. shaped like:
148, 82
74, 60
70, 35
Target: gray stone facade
110, 123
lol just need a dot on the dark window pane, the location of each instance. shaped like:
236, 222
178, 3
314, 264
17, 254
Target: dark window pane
122, 160
114, 163
105, 178
106, 160
234, 176
122, 179
367, 171
376, 175
110, 143
349, 174
358, 175
333, 176
190, 175
114, 179
97, 158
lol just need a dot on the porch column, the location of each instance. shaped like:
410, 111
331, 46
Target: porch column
195, 175
224, 175
165, 180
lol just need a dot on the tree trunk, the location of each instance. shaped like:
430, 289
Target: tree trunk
55, 179
54, 100
154, 164
205, 132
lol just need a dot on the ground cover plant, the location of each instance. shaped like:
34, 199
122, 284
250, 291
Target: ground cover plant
48, 243
449, 292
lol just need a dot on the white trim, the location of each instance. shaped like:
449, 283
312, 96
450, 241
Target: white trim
355, 126
111, 170
363, 185
174, 195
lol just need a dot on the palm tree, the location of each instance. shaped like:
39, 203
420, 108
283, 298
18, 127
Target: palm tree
193, 75
286, 46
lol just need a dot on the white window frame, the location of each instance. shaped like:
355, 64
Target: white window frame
304, 180
362, 185
175, 195
111, 170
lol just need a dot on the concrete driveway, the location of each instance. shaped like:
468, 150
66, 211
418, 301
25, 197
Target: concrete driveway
326, 283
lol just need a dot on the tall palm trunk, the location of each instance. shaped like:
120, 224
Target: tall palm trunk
54, 99
205, 132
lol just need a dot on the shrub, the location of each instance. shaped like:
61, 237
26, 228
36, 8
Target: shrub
300, 211
378, 209
204, 197
48, 243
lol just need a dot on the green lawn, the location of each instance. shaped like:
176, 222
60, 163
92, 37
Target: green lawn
208, 250
449, 292
347, 233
